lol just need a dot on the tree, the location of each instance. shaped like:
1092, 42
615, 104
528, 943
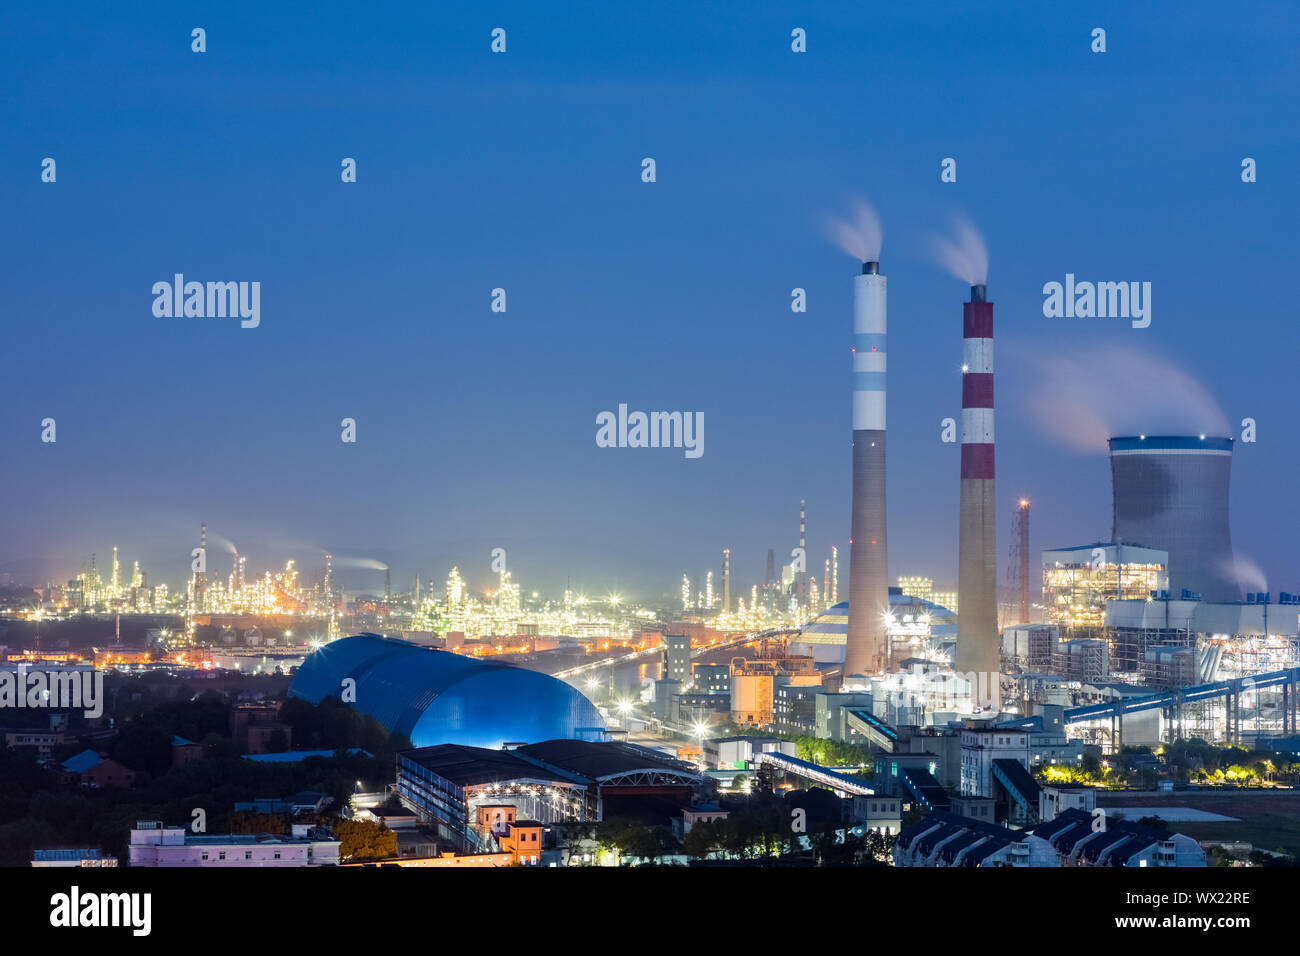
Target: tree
703, 840
363, 840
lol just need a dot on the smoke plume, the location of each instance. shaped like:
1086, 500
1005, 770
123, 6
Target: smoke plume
1248, 575
364, 564
964, 255
860, 235
221, 542
1087, 396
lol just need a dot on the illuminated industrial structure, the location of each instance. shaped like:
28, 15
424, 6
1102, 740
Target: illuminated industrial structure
1077, 582
914, 628
754, 681
917, 587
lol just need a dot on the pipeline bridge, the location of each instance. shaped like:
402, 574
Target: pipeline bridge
843, 784
1172, 702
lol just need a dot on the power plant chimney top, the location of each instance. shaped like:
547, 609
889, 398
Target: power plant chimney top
871, 268
979, 293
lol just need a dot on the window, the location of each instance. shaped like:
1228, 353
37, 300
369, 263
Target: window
221, 855
205, 854
277, 854
248, 854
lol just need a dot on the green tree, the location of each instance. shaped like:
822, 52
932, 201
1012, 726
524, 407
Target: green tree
363, 840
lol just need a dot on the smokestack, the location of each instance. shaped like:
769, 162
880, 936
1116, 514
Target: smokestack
1171, 493
835, 575
977, 573
201, 577
1022, 564
866, 645
801, 583
726, 580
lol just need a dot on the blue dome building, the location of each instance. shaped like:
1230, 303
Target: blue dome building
436, 697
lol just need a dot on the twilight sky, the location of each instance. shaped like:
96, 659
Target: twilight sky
477, 429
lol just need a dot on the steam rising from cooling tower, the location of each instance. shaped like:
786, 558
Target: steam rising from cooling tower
1248, 575
866, 648
964, 255
860, 235
1081, 399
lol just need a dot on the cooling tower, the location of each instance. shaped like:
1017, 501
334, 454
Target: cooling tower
866, 649
977, 652
1171, 493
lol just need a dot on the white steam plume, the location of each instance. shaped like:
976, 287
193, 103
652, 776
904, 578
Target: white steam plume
365, 564
861, 235
1083, 398
221, 542
1248, 575
964, 255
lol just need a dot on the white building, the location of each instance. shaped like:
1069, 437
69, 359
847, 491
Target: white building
980, 747
153, 844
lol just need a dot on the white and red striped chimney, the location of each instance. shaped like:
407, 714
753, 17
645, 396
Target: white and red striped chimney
977, 652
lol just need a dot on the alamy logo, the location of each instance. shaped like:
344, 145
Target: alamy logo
653, 430
74, 909
54, 689
211, 300
1101, 300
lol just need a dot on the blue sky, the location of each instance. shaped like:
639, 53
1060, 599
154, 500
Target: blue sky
476, 429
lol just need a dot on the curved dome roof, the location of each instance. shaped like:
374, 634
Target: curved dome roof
436, 697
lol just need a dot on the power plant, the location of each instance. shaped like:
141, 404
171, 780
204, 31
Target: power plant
866, 642
1171, 493
977, 651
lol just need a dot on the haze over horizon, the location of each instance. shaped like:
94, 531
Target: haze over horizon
476, 429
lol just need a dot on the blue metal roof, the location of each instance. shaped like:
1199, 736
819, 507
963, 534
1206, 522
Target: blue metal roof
80, 763
436, 697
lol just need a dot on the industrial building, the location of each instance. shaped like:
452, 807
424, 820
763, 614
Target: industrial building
737, 753
554, 781
1077, 582
676, 664
915, 628
1039, 649
755, 682
437, 697
1228, 639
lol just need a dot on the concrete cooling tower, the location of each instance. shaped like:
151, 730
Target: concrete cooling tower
1171, 493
